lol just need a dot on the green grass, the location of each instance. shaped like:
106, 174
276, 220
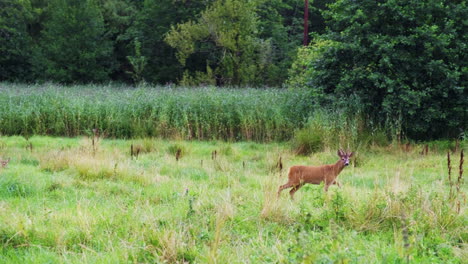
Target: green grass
67, 203
126, 112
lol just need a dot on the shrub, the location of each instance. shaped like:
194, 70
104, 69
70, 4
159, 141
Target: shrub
400, 63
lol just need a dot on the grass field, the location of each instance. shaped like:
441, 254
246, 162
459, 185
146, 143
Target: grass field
66, 200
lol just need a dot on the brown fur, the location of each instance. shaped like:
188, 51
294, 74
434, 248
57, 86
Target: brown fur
300, 175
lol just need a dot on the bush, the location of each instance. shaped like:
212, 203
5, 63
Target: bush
301, 69
400, 63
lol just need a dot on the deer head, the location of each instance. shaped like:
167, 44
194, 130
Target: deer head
4, 163
345, 156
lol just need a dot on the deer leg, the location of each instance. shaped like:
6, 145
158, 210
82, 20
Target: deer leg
282, 187
294, 190
325, 187
337, 183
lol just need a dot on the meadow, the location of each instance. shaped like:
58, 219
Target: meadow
87, 200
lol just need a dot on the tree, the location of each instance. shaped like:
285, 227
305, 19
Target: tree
15, 42
118, 17
227, 32
243, 42
403, 64
138, 63
150, 27
281, 24
74, 45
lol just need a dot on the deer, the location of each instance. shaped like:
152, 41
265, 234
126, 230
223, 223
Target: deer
4, 163
300, 175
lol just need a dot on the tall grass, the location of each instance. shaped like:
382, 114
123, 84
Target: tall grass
333, 129
122, 112
69, 202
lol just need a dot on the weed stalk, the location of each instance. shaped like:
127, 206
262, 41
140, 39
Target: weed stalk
449, 167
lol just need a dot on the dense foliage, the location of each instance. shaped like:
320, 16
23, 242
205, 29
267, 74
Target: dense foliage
71, 41
15, 43
400, 63
204, 113
150, 26
73, 44
230, 28
242, 42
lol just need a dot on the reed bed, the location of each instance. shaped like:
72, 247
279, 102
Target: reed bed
167, 112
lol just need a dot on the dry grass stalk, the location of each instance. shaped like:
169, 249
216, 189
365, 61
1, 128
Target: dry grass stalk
405, 235
95, 139
178, 154
425, 150
460, 172
170, 244
449, 167
407, 147
135, 150
213, 257
29, 144
457, 146
30, 147
279, 165
225, 211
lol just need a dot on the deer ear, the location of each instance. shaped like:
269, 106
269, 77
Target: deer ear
351, 154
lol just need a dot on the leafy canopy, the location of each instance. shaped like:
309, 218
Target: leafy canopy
402, 63
74, 45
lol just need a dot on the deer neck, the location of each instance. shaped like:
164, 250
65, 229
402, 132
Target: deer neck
338, 167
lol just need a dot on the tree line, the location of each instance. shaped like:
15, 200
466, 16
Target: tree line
399, 64
222, 42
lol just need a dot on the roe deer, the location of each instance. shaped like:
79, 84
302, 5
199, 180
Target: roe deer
300, 175
4, 163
